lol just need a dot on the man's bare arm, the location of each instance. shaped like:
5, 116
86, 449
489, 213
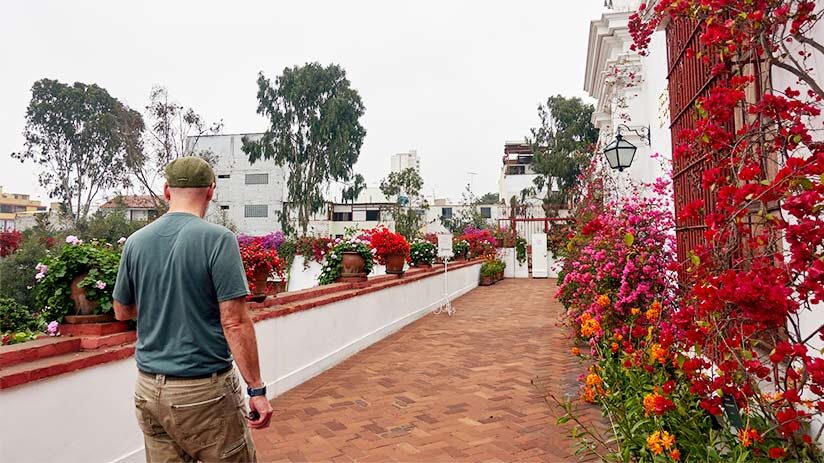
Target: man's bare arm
240, 334
125, 311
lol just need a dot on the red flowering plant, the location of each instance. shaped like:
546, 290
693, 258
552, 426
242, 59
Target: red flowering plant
386, 243
738, 336
9, 242
481, 241
257, 257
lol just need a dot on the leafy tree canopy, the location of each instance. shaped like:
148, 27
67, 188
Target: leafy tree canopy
80, 136
314, 130
562, 145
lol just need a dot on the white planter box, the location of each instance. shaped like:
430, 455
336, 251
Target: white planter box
507, 255
521, 269
303, 278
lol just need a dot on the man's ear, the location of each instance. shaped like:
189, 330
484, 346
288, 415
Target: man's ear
210, 192
166, 193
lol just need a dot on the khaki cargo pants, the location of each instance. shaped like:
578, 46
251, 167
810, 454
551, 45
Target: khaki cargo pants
193, 419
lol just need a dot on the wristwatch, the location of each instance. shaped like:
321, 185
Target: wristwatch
256, 391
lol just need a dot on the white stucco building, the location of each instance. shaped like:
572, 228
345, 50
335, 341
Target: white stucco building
517, 174
631, 92
250, 196
402, 161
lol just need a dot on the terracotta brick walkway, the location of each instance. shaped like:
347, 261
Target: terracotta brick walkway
442, 389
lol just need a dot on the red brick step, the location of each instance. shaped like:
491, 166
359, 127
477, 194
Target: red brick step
53, 366
109, 340
94, 329
37, 349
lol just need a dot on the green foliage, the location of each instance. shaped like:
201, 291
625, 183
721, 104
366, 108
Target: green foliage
468, 216
333, 265
109, 226
17, 270
489, 198
314, 130
422, 251
409, 211
492, 267
460, 248
97, 260
15, 317
520, 250
562, 146
79, 135
351, 192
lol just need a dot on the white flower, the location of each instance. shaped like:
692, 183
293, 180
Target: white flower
121, 240
100, 284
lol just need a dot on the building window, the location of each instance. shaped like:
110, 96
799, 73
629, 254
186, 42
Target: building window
516, 170
6, 208
257, 179
256, 211
373, 216
486, 212
341, 217
224, 208
446, 212
223, 176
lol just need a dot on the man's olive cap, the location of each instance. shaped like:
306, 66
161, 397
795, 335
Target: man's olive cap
189, 172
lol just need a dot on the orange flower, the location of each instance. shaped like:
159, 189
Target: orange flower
658, 353
603, 300
589, 326
635, 310
675, 455
618, 336
649, 404
614, 347
660, 441
749, 436
654, 311
593, 388
576, 352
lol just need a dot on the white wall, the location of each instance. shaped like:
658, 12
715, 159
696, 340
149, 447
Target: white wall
88, 416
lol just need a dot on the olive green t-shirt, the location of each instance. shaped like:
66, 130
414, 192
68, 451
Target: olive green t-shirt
176, 271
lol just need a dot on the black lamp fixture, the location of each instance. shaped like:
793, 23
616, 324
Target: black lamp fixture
620, 153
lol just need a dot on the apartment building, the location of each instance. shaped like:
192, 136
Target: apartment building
14, 206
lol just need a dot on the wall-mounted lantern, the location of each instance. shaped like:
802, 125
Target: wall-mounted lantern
620, 153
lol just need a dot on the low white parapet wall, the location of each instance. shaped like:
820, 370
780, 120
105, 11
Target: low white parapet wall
88, 416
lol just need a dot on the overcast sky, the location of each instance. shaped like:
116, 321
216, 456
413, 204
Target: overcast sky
452, 79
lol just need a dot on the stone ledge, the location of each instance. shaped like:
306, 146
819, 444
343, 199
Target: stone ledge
95, 344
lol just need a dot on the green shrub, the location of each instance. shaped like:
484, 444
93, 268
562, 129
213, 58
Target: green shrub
99, 261
422, 251
17, 270
15, 317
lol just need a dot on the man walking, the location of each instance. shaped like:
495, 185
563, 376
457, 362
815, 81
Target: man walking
182, 278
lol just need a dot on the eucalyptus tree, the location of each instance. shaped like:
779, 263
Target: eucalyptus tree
410, 208
562, 146
80, 136
314, 131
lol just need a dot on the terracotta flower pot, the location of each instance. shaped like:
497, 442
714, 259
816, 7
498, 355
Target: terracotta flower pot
487, 281
394, 264
82, 304
277, 286
353, 265
261, 276
499, 276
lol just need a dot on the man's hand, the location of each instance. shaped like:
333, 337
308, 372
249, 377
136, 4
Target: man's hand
261, 405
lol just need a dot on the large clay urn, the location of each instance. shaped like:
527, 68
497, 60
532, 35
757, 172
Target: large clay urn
82, 304
261, 276
353, 267
394, 264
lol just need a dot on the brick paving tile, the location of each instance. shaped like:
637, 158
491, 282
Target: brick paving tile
467, 388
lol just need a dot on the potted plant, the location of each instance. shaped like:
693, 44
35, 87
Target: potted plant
349, 259
520, 250
481, 242
501, 266
422, 253
488, 272
460, 248
260, 262
505, 237
391, 249
77, 281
